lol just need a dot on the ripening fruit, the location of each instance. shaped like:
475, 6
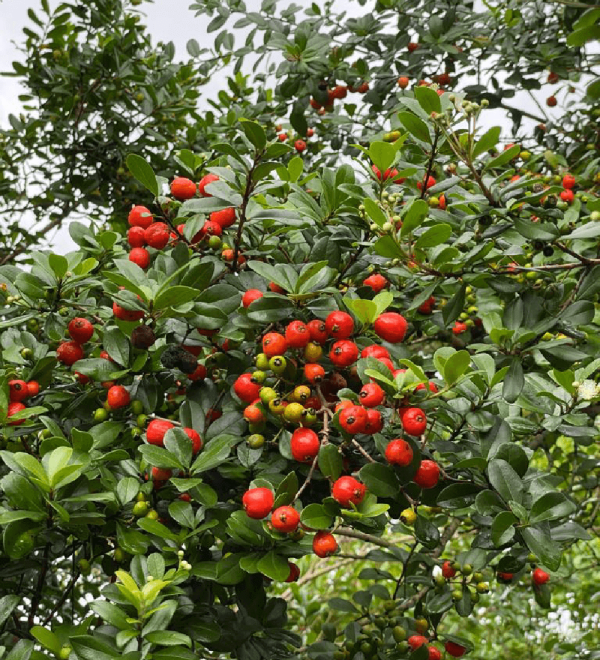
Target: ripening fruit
430, 183
371, 395
80, 330
318, 331
225, 217
250, 296
568, 181
414, 421
209, 178
403, 82
343, 353
376, 282
297, 334
353, 419
140, 216
33, 388
313, 352
157, 235
247, 390
293, 412
161, 474
434, 653
421, 386
428, 474
285, 519
182, 188
448, 571
459, 328
551, 101
255, 413
391, 327
415, 641
339, 325
136, 237
127, 314
18, 390
258, 502
304, 445
324, 544
375, 351
273, 344
567, 196
300, 146
277, 364
13, 408
294, 572
454, 649
314, 373
399, 452
539, 577
374, 422
118, 397
156, 431
348, 490
140, 256
69, 352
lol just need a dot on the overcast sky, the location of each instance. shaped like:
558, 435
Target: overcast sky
167, 20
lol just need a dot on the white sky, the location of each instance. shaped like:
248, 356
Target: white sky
167, 20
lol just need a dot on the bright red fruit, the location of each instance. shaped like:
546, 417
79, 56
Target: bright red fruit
339, 325
127, 314
428, 474
430, 183
422, 386
209, 228
314, 373
551, 101
246, 389
569, 181
387, 362
434, 654
157, 235
414, 421
80, 330
376, 282
285, 519
136, 237
273, 344
250, 296
454, 649
140, 256
427, 306
415, 641
318, 331
300, 145
348, 490
324, 544
18, 390
255, 413
344, 353
540, 577
391, 327
204, 181
194, 436
140, 216
375, 351
353, 419
118, 397
258, 502
399, 452
294, 572
69, 352
567, 196
182, 188
459, 327
33, 388
156, 431
275, 288
14, 408
225, 217
304, 445
447, 571
374, 422
371, 395
505, 577
161, 474
199, 374
297, 335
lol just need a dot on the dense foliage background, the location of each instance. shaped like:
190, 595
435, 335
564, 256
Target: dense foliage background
342, 147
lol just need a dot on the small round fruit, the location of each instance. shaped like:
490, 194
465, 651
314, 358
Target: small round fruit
140, 509
318, 331
297, 334
65, 653
434, 653
391, 327
127, 314
415, 641
278, 364
140, 256
182, 188
408, 517
294, 572
428, 474
205, 181
285, 519
304, 445
371, 395
140, 216
273, 344
343, 353
399, 634
301, 393
14, 408
18, 390
430, 183
80, 330
69, 352
118, 397
157, 235
374, 422
324, 544
224, 217
353, 419
258, 502
313, 352
194, 436
293, 412
347, 491
267, 394
156, 431
314, 373
454, 649
414, 421
247, 390
399, 452
100, 415
33, 388
300, 146
339, 325
255, 413
255, 441
376, 282
250, 296
375, 351
539, 577
448, 571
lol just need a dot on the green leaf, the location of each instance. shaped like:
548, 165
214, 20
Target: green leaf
160, 457
175, 296
551, 506
47, 639
59, 265
503, 528
455, 305
381, 480
487, 141
286, 491
143, 172
413, 217
415, 126
514, 381
536, 231
330, 461
341, 605
316, 517
168, 638
506, 481
364, 310
255, 133
7, 605
539, 541
214, 453
382, 154
458, 496
583, 35
503, 158
374, 212
117, 345
274, 566
435, 235
428, 99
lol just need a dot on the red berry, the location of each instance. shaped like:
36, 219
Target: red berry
454, 649
300, 145
422, 386
459, 327
209, 228
182, 188
194, 436
80, 330
18, 390
415, 641
118, 397
505, 577
427, 306
33, 388
375, 351
442, 203
294, 572
310, 132
434, 654
255, 413
412, 46
551, 101
428, 474
161, 474
246, 389
297, 335
140, 256
127, 314
324, 544
14, 408
304, 445
347, 490
339, 325
447, 571
567, 196
250, 296
344, 353
136, 237
374, 422
199, 374
353, 419
185, 497
69, 352
157, 235
414, 421
140, 216
258, 502
391, 327
314, 373
540, 577
399, 452
204, 181
318, 331
274, 344
282, 137
225, 217
156, 431
568, 181
430, 183
376, 282
82, 378
371, 395
275, 288
285, 519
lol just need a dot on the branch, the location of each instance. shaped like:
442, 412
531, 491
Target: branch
430, 164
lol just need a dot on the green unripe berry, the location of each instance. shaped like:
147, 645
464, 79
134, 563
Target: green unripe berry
140, 497
278, 364
456, 595
26, 353
65, 652
262, 362
483, 587
255, 441
214, 242
84, 566
399, 634
100, 415
595, 216
141, 420
478, 577
387, 226
119, 555
259, 376
152, 514
137, 407
267, 394
140, 509
293, 412
467, 569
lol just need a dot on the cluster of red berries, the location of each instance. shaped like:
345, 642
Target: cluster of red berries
339, 92
18, 391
